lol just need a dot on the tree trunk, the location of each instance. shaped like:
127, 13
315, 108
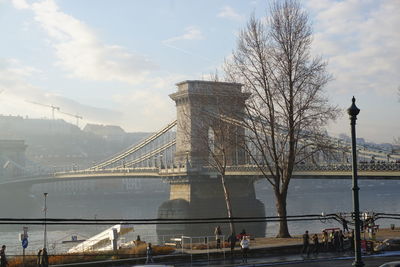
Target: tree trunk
228, 203
281, 209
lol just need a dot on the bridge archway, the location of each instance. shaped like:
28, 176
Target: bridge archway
203, 108
199, 105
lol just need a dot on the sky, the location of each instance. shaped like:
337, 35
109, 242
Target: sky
116, 61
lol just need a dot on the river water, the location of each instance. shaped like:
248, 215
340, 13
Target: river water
305, 197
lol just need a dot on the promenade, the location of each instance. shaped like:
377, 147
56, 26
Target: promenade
263, 252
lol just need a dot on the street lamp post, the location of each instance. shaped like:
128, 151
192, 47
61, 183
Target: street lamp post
353, 112
45, 221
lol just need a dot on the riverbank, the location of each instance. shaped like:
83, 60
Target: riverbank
260, 247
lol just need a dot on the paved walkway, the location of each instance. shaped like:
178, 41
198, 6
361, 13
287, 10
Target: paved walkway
271, 252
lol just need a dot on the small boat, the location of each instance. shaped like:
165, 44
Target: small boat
103, 240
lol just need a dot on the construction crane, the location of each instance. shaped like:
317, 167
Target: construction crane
76, 116
53, 108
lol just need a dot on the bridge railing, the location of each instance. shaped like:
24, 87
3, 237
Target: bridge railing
106, 171
325, 167
182, 169
348, 167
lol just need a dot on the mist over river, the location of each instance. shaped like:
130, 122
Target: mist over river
305, 197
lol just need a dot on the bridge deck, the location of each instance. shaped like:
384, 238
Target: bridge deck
340, 171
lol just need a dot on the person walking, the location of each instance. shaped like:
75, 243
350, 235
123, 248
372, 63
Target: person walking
331, 240
44, 258
39, 258
336, 244
306, 244
351, 240
149, 254
232, 241
3, 259
325, 240
345, 226
218, 234
245, 244
341, 241
316, 244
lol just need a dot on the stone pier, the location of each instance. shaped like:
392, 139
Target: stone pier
201, 104
205, 199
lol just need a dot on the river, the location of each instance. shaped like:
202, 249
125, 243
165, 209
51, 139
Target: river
305, 197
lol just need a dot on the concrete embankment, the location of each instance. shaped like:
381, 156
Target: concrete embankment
260, 248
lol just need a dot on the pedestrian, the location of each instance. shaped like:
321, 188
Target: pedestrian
44, 258
218, 234
38, 260
306, 244
316, 244
3, 259
351, 240
345, 227
245, 244
336, 244
325, 240
232, 241
138, 241
331, 240
242, 233
149, 254
341, 241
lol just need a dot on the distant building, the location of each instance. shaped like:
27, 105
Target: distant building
108, 132
18, 127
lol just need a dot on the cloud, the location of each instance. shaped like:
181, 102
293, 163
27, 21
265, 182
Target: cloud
229, 13
360, 39
17, 95
148, 104
191, 33
20, 4
82, 54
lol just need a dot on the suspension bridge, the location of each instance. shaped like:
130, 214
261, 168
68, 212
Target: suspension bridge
177, 154
173, 154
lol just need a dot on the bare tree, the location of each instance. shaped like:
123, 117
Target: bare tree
397, 140
220, 145
287, 109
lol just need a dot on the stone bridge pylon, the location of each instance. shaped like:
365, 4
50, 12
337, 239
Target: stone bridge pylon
197, 195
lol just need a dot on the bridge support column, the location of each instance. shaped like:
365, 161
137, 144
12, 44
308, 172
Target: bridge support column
196, 103
204, 198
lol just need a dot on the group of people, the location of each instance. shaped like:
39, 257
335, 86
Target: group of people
42, 257
330, 241
232, 239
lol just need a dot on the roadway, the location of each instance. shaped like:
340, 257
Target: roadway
324, 260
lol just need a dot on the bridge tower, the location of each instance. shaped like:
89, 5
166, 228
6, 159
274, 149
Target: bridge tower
199, 104
200, 195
